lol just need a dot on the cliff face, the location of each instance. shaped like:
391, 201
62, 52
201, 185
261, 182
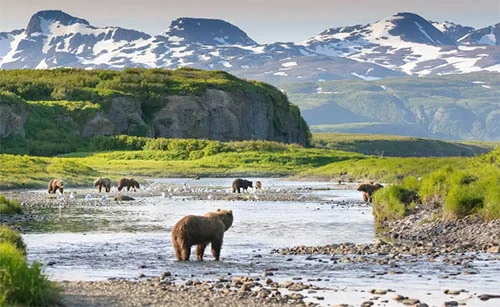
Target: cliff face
228, 116
215, 115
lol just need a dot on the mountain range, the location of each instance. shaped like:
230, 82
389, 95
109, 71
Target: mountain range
402, 47
399, 45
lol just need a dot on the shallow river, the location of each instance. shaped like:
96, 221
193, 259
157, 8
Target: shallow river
98, 242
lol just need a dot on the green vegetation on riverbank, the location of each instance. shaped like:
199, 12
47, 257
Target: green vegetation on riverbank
21, 284
473, 188
119, 156
9, 206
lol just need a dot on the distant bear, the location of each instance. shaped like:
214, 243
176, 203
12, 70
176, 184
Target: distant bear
241, 184
123, 198
368, 189
258, 185
129, 183
103, 182
201, 230
54, 185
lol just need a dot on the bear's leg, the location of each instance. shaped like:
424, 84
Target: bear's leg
365, 197
177, 250
216, 246
99, 186
108, 188
128, 188
186, 252
239, 191
200, 250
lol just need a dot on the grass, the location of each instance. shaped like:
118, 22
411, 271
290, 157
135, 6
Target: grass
9, 206
387, 169
13, 237
22, 284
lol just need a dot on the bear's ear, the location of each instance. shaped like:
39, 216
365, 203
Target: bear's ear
218, 210
230, 211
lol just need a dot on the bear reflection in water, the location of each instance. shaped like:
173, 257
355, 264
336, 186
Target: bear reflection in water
200, 231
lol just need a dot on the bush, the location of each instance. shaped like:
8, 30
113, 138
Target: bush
13, 237
9, 206
21, 284
435, 186
392, 202
462, 200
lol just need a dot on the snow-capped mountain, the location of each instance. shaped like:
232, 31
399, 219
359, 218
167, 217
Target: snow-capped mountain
404, 42
486, 36
398, 45
452, 30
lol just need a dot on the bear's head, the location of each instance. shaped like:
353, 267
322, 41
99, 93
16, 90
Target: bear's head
226, 216
97, 182
134, 182
365, 187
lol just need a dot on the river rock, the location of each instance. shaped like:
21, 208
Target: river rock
494, 249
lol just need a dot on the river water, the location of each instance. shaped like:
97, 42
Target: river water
122, 240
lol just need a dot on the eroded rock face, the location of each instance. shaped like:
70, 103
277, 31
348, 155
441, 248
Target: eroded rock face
124, 117
228, 116
12, 120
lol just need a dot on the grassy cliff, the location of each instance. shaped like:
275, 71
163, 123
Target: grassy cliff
56, 104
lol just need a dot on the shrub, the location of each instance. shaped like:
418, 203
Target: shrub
13, 237
9, 206
411, 183
435, 186
392, 202
462, 200
21, 284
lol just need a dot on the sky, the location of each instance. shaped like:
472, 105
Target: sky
263, 20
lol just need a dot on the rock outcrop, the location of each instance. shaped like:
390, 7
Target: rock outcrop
228, 116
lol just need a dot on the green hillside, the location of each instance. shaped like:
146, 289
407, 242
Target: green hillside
460, 107
398, 146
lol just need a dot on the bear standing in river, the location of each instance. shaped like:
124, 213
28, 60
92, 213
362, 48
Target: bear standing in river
241, 184
54, 185
368, 189
201, 230
103, 182
128, 183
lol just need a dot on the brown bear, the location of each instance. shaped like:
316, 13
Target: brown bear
103, 182
258, 185
241, 184
368, 189
201, 230
54, 185
129, 183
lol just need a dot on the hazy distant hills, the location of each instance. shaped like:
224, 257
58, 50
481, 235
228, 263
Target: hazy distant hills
390, 53
459, 107
402, 44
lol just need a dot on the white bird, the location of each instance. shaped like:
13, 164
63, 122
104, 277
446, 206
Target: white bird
72, 195
104, 197
88, 196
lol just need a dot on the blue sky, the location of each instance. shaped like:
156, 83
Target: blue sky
263, 20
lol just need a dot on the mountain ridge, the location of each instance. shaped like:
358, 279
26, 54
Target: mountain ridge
401, 44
